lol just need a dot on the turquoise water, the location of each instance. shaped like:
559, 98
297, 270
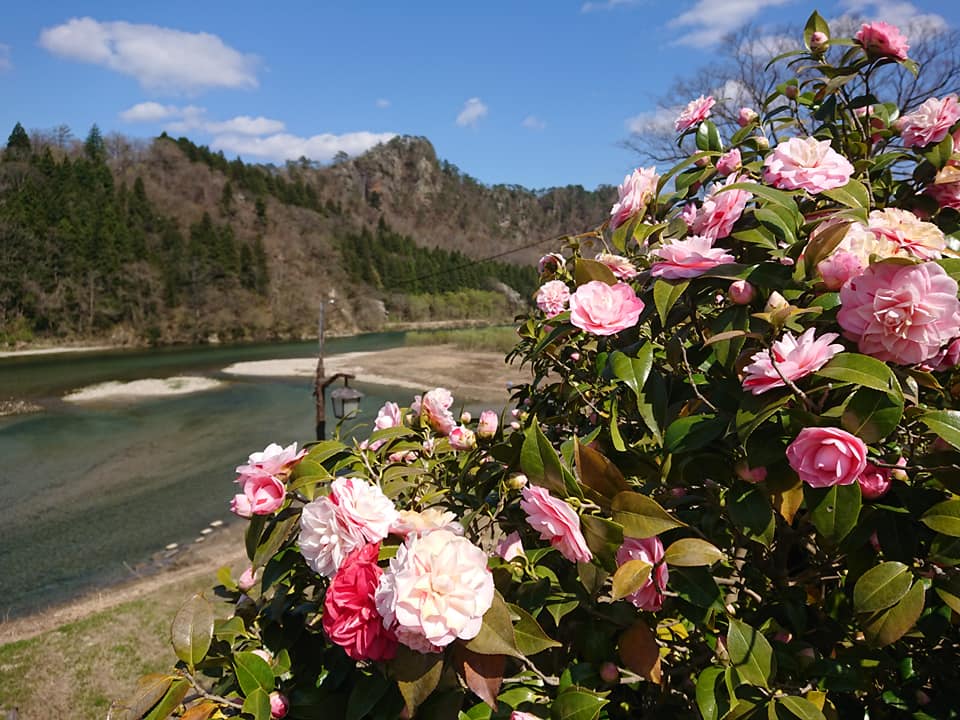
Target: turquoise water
89, 491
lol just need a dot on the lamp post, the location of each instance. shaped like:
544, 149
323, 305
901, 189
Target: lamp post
346, 400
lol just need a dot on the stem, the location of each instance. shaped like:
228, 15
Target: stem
201, 692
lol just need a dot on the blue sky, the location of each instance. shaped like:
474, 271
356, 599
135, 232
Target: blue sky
533, 92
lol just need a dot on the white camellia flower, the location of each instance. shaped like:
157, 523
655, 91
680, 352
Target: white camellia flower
325, 540
364, 506
436, 590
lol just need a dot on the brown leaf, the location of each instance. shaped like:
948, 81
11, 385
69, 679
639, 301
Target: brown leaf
597, 473
201, 711
640, 652
786, 495
483, 674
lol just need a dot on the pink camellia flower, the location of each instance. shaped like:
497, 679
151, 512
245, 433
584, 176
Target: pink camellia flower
874, 482
556, 521
435, 410
420, 523
900, 313
650, 550
729, 162
325, 536
363, 506
689, 213
388, 416
510, 547
909, 235
240, 506
487, 425
826, 456
350, 617
694, 113
248, 578
264, 494
947, 359
519, 715
465, 417
882, 39
929, 123
436, 590
794, 358
601, 309
750, 474
552, 297
746, 116
688, 258
741, 292
550, 263
635, 193
462, 438
838, 268
947, 194
720, 211
279, 705
619, 265
274, 460
808, 164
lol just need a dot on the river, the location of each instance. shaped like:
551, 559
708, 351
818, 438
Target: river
89, 491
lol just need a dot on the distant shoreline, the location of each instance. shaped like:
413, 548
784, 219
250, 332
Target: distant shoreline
57, 350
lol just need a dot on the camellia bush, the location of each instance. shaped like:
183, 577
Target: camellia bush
729, 490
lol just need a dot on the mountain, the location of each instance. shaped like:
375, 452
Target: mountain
165, 241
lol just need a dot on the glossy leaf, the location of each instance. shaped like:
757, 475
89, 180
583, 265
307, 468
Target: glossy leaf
750, 653
892, 624
692, 552
640, 652
253, 672
871, 415
665, 296
801, 708
749, 509
575, 703
417, 675
201, 711
590, 270
642, 516
276, 534
706, 693
540, 462
853, 194
691, 433
529, 636
634, 371
150, 688
597, 472
862, 370
192, 630
170, 701
483, 674
630, 577
257, 704
834, 511
945, 423
944, 517
604, 537
881, 587
496, 634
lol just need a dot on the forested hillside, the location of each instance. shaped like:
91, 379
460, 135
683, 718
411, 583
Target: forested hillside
165, 241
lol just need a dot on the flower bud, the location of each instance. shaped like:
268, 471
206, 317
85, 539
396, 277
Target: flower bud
465, 417
746, 116
279, 705
575, 356
741, 292
517, 481
791, 91
247, 579
609, 673
749, 474
775, 302
761, 142
462, 438
487, 425
898, 473
819, 42
265, 654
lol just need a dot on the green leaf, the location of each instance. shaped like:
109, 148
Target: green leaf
773, 221
862, 370
634, 371
541, 464
692, 432
642, 516
834, 511
692, 552
589, 270
530, 637
170, 701
945, 423
576, 703
750, 510
801, 708
707, 693
192, 630
708, 137
872, 415
417, 675
630, 577
604, 537
754, 411
939, 155
229, 630
750, 653
150, 688
277, 534
853, 194
253, 672
881, 587
252, 536
365, 693
597, 472
257, 704
892, 624
777, 197
665, 295
944, 517
815, 23
697, 586
496, 635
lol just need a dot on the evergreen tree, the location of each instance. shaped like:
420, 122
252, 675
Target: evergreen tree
18, 144
93, 146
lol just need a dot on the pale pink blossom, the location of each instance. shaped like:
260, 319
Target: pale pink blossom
882, 40
741, 292
826, 456
839, 268
465, 417
929, 123
240, 506
874, 481
688, 258
326, 538
435, 410
388, 416
553, 297
947, 359
550, 263
750, 474
602, 309
264, 494
274, 460
900, 313
248, 578
746, 116
911, 236
729, 162
793, 358
622, 268
420, 523
407, 457
720, 210
694, 113
363, 505
689, 213
650, 550
556, 521
519, 715
510, 547
808, 164
635, 193
264, 654
462, 438
487, 425
435, 590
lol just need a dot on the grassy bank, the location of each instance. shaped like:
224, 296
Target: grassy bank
500, 339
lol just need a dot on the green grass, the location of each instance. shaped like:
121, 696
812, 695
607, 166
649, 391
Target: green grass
500, 339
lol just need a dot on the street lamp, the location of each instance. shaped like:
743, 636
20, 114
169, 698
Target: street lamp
346, 400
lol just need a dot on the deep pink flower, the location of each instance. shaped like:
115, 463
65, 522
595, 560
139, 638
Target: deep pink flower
900, 313
808, 164
635, 193
741, 292
556, 521
350, 617
435, 410
720, 211
602, 309
694, 113
689, 258
650, 595
750, 474
729, 162
552, 297
882, 39
794, 357
264, 494
746, 116
838, 268
946, 194
622, 268
279, 705
487, 425
826, 456
930, 122
874, 481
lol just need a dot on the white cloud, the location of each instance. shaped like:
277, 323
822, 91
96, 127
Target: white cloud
5, 62
532, 122
383, 103
187, 118
709, 21
767, 47
149, 112
244, 125
607, 5
657, 121
284, 146
904, 15
161, 59
473, 110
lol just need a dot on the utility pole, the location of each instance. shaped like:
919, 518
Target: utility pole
319, 386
